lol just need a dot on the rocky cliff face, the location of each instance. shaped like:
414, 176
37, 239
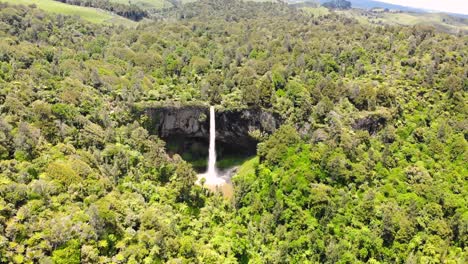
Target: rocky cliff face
189, 121
192, 122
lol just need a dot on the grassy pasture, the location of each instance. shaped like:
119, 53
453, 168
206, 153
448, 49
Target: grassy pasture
90, 14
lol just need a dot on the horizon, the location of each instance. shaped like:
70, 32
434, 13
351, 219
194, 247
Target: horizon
449, 6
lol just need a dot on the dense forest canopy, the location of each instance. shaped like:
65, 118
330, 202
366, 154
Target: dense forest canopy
369, 167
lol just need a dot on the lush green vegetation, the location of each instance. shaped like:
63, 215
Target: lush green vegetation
231, 161
369, 167
316, 11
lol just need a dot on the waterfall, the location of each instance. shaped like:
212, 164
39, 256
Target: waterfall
211, 176
212, 149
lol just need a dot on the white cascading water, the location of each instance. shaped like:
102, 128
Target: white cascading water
212, 150
211, 176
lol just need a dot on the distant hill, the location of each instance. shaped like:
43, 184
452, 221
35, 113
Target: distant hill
378, 13
368, 4
410, 16
373, 12
441, 21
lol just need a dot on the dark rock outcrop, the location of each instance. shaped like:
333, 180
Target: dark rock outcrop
372, 121
188, 121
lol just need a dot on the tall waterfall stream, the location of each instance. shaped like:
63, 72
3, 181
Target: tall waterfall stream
213, 178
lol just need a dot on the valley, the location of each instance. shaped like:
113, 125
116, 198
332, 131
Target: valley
228, 131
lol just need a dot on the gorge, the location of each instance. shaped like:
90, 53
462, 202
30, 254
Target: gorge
186, 130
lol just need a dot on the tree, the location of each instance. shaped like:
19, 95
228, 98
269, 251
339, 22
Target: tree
70, 253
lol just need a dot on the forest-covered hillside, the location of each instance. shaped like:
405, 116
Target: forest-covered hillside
370, 165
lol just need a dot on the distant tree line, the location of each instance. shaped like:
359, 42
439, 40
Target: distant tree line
338, 4
130, 11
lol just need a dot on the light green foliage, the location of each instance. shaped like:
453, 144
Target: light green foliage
68, 254
62, 172
317, 11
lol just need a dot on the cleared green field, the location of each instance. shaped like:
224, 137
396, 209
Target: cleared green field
90, 14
